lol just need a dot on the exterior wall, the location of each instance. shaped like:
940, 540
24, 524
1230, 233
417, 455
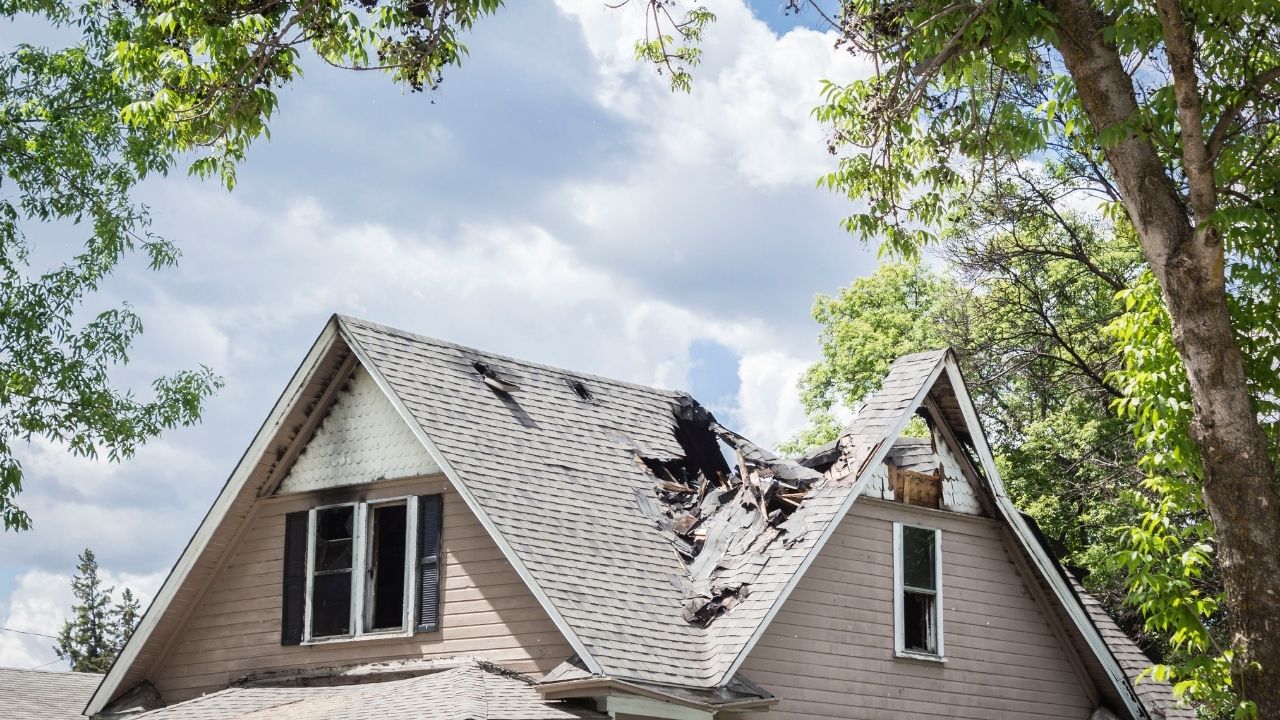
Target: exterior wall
829, 651
234, 628
362, 438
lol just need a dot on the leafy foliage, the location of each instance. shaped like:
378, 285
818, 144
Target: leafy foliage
1168, 552
138, 88
98, 630
671, 45
866, 326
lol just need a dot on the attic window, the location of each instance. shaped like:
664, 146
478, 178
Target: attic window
917, 592
582, 390
370, 569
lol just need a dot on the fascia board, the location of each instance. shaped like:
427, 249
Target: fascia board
1041, 560
213, 519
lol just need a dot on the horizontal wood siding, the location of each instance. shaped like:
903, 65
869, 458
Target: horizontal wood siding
234, 629
829, 652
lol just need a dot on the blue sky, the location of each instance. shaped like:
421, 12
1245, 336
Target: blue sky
552, 201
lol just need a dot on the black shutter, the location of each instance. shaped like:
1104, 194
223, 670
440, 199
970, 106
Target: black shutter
429, 522
293, 600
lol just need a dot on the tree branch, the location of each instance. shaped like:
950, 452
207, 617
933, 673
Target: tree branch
1196, 162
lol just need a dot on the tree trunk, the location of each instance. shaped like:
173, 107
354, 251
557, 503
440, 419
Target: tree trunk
1240, 489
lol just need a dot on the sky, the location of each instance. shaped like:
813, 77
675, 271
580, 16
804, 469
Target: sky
553, 201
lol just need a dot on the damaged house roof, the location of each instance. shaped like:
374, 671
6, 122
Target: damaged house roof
658, 541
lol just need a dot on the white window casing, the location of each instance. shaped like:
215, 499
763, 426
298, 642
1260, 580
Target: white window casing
361, 559
899, 593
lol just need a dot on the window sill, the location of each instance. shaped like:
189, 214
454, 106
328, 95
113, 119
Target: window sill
390, 635
921, 657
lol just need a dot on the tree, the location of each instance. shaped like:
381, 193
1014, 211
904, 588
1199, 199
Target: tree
126, 617
98, 629
1171, 107
88, 639
141, 87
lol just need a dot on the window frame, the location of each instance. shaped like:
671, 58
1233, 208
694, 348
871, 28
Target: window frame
361, 557
899, 591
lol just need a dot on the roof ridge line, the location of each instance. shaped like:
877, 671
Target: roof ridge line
418, 337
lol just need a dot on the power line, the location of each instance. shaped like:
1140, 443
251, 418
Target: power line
28, 632
46, 664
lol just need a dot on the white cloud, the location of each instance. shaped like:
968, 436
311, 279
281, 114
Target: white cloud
769, 401
39, 604
750, 108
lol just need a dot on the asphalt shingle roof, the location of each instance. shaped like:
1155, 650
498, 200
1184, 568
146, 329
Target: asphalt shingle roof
41, 695
472, 691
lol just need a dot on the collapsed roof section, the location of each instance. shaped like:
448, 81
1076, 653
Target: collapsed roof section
721, 520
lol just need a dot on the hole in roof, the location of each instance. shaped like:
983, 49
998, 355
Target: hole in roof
582, 390
492, 379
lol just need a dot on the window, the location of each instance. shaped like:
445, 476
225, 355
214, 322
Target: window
917, 588
362, 569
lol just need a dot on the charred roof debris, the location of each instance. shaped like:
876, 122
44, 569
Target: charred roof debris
721, 519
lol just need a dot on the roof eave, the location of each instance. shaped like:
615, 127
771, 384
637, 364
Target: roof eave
177, 576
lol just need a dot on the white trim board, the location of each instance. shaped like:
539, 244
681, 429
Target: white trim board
899, 585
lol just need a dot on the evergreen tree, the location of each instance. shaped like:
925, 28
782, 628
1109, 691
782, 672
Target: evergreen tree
88, 639
125, 616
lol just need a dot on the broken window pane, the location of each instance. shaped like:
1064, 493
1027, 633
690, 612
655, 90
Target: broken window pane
333, 538
917, 558
918, 622
331, 586
386, 596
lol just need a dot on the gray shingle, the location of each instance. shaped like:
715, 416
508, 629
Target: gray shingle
471, 691
41, 695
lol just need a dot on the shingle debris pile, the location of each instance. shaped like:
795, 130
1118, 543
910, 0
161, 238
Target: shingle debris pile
721, 518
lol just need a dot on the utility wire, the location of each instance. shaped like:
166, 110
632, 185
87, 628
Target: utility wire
28, 632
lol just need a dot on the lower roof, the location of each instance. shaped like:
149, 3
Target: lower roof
463, 689
45, 695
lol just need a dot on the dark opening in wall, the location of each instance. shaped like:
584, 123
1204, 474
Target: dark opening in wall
387, 527
331, 590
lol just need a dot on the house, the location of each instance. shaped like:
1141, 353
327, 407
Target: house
421, 529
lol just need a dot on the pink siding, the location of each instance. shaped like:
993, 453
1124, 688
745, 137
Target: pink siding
829, 652
234, 628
